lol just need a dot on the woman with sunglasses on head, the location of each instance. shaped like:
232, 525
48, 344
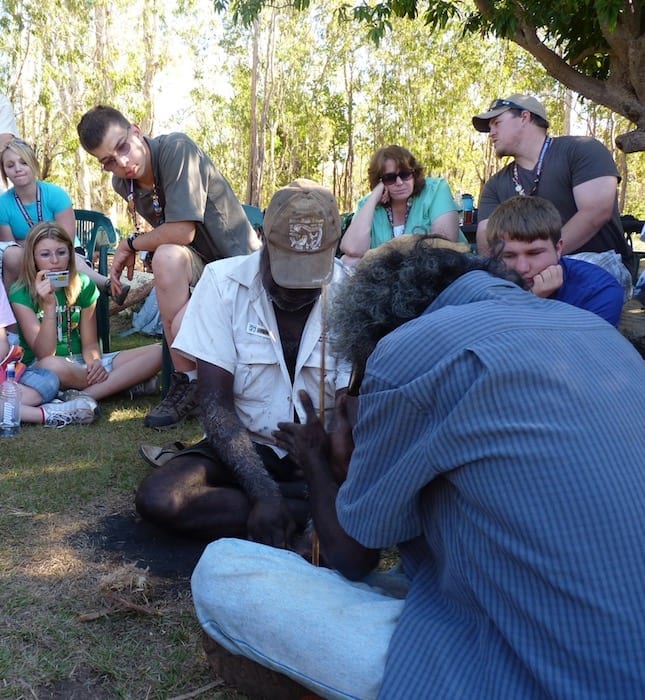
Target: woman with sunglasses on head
57, 322
30, 201
402, 200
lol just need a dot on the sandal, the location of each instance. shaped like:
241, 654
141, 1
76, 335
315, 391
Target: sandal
157, 456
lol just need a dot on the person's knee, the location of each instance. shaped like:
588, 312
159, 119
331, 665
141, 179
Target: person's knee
156, 502
171, 265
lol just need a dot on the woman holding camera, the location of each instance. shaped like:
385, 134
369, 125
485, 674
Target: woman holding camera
402, 200
55, 306
29, 202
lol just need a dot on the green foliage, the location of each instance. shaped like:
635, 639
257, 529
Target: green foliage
591, 46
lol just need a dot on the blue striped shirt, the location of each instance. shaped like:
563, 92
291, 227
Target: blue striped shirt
498, 444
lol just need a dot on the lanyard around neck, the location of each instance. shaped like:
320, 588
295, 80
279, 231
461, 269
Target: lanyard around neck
23, 210
157, 207
519, 188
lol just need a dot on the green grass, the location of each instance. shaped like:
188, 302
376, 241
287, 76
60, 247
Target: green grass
55, 484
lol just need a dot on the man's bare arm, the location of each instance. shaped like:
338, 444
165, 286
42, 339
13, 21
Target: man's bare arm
311, 448
269, 521
480, 238
595, 201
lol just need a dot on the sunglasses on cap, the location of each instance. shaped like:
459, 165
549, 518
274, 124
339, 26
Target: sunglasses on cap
506, 103
390, 178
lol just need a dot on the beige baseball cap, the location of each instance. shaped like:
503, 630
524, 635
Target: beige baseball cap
302, 228
523, 102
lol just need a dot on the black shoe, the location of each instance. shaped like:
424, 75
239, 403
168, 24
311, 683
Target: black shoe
121, 296
181, 401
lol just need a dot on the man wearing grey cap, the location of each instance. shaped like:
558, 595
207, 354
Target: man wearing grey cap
576, 173
254, 326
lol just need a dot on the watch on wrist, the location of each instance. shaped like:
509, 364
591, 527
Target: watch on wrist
130, 240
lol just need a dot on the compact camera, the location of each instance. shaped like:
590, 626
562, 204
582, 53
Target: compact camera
58, 279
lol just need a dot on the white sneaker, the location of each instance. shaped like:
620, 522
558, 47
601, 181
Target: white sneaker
80, 411
148, 388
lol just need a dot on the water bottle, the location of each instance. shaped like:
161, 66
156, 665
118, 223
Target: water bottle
10, 404
468, 206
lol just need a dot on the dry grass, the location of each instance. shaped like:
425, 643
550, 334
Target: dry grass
75, 622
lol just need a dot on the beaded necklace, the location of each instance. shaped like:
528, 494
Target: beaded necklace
390, 215
157, 207
519, 188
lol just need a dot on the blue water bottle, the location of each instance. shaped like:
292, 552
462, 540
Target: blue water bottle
10, 404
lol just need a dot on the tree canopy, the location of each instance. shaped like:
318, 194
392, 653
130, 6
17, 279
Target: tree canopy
292, 94
594, 47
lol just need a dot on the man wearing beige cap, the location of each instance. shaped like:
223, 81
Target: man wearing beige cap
576, 173
254, 326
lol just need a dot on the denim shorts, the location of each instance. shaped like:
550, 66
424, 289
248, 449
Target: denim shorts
3, 246
107, 360
44, 381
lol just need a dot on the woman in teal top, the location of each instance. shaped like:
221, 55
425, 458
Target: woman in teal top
29, 202
57, 322
402, 200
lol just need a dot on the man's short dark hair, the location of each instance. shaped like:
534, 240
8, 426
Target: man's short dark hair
524, 219
95, 123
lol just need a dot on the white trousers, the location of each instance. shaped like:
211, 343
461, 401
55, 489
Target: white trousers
329, 634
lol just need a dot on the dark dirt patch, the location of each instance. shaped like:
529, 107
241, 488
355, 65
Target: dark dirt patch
84, 685
125, 536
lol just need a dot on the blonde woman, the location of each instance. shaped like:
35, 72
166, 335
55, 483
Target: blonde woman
57, 322
30, 201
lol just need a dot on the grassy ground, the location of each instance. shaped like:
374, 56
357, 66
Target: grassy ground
76, 622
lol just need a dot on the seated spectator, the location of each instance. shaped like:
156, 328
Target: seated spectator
519, 521
39, 386
254, 326
30, 201
525, 232
402, 200
172, 184
57, 322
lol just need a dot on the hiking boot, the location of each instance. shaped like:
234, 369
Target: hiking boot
148, 388
181, 401
81, 411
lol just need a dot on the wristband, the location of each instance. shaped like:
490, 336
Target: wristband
130, 240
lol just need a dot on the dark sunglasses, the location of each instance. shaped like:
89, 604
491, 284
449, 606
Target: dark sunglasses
390, 178
506, 103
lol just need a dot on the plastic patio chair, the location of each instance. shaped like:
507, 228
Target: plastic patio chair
98, 237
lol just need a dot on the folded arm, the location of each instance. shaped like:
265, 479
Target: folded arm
595, 201
269, 521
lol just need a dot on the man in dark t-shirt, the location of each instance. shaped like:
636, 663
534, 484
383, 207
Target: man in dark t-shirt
576, 173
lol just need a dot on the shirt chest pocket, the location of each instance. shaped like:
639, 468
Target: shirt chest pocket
256, 346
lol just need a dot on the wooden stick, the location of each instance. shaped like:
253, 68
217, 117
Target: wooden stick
315, 542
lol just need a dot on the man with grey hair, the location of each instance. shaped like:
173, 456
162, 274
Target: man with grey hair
576, 173
494, 448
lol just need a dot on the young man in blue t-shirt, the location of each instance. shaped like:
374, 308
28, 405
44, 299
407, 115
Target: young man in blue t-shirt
525, 232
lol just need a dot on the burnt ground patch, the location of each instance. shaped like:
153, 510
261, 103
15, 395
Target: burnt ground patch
127, 538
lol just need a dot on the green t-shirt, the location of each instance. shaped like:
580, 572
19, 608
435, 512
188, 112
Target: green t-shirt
67, 326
